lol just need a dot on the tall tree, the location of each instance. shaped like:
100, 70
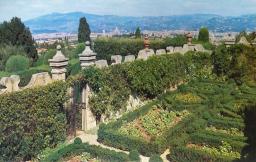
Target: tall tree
138, 33
84, 31
17, 34
203, 35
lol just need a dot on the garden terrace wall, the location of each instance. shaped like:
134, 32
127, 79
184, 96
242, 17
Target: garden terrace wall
32, 120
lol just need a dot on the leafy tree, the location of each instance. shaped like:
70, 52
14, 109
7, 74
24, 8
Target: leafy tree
16, 33
83, 31
203, 35
138, 33
221, 59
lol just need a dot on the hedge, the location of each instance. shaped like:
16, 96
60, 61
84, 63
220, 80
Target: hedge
108, 135
106, 47
96, 151
146, 79
183, 154
199, 138
32, 120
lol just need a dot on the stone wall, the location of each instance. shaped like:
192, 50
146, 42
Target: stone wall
146, 53
11, 84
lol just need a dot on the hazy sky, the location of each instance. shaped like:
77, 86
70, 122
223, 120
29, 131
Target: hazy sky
27, 9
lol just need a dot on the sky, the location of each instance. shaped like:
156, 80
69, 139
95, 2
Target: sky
28, 9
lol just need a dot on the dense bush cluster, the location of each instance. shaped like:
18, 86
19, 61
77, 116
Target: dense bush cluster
106, 47
147, 79
31, 120
77, 148
237, 62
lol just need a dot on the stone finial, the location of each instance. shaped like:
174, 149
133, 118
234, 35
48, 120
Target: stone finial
87, 57
189, 38
146, 42
58, 64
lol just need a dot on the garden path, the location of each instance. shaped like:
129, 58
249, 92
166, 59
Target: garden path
91, 138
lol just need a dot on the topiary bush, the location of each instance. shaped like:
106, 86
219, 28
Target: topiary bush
134, 156
17, 63
155, 158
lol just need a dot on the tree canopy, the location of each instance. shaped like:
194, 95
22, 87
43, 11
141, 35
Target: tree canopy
203, 35
17, 34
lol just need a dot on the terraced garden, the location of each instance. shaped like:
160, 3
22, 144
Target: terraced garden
201, 121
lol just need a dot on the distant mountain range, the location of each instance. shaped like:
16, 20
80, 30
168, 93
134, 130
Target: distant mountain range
68, 22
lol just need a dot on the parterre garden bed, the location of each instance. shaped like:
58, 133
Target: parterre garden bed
201, 121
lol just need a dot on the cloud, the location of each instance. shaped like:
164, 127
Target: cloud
27, 9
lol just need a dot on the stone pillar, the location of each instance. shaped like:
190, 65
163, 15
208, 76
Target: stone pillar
88, 119
189, 38
58, 64
146, 42
87, 57
146, 52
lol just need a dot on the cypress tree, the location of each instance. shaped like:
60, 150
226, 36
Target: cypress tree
83, 31
203, 35
138, 33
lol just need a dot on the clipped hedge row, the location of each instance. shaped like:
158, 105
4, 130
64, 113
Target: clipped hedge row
211, 139
32, 120
105, 47
183, 154
146, 79
77, 148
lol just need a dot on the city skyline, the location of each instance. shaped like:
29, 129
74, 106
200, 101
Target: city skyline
28, 9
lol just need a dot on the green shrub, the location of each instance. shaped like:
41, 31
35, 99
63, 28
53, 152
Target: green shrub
32, 120
6, 51
155, 158
78, 141
17, 63
134, 156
